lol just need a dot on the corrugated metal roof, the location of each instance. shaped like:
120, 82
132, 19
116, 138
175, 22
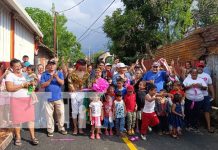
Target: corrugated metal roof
21, 11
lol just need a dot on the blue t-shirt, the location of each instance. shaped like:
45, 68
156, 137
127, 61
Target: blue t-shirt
54, 87
159, 78
124, 91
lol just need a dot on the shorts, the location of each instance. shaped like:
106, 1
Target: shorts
96, 121
77, 99
108, 123
206, 105
139, 115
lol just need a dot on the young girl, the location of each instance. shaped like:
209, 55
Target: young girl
131, 107
108, 114
149, 117
140, 100
119, 112
177, 115
177, 89
96, 115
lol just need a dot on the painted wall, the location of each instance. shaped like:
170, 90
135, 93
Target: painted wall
5, 38
24, 42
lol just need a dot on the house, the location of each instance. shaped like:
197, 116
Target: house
18, 32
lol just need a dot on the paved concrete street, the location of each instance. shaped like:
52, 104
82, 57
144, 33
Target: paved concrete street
192, 141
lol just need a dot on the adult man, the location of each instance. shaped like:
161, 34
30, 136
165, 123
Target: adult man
122, 73
52, 81
156, 76
206, 107
206, 68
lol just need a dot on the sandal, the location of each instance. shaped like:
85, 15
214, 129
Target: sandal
35, 141
211, 130
75, 132
17, 142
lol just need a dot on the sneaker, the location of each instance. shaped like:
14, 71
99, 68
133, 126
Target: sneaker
149, 129
98, 136
143, 137
111, 132
133, 132
92, 136
106, 132
64, 132
50, 134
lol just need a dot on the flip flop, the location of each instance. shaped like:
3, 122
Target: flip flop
132, 139
136, 138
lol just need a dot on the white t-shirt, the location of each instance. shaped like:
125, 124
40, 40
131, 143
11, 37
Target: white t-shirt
96, 107
17, 81
194, 94
207, 79
149, 106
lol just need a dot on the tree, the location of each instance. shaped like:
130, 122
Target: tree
205, 13
68, 47
146, 24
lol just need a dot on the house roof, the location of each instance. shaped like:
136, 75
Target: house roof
24, 15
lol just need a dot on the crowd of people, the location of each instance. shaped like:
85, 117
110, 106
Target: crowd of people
125, 100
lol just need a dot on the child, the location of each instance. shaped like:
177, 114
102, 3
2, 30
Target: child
32, 78
177, 115
140, 100
149, 117
162, 112
119, 112
96, 115
120, 87
177, 89
108, 114
109, 80
131, 107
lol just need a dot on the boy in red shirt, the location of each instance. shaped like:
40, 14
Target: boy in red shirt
131, 107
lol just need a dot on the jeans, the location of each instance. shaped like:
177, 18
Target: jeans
120, 123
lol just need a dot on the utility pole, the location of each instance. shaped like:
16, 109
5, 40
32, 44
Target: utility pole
54, 29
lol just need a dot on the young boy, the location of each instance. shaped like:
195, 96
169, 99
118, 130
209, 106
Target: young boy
119, 112
120, 87
162, 110
131, 107
149, 117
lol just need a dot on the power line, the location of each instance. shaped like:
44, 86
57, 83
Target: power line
96, 20
71, 7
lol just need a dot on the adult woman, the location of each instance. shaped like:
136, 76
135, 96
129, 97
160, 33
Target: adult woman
186, 70
99, 83
21, 108
194, 87
137, 79
77, 81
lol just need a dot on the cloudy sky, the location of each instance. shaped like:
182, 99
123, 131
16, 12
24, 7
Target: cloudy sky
81, 17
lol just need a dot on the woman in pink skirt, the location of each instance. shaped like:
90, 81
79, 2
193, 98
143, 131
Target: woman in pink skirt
22, 110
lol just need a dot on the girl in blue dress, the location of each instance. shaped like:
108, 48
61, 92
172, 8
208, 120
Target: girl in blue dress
177, 118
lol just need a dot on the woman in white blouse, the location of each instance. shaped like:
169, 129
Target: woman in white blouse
22, 110
194, 88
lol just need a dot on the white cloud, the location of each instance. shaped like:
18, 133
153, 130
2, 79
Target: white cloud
84, 14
